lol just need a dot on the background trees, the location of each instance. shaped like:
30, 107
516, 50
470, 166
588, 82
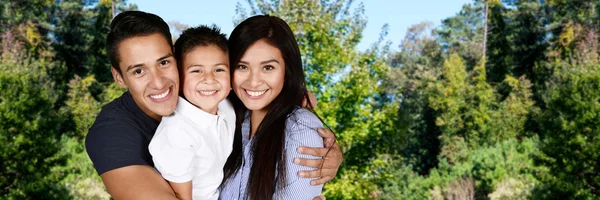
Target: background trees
433, 118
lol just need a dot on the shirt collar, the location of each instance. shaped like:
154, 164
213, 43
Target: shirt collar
197, 115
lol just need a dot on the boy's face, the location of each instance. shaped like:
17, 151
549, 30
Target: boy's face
206, 77
149, 72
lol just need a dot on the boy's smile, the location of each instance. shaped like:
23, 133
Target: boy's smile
206, 77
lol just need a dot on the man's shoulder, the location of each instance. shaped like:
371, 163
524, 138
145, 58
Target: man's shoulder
111, 114
113, 121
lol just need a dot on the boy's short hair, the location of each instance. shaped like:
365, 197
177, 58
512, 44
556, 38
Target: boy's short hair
130, 24
198, 36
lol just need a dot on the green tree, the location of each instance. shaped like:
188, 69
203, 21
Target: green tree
463, 33
469, 108
569, 131
415, 68
31, 22
29, 130
499, 58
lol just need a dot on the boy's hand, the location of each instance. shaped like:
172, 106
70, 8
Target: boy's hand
327, 167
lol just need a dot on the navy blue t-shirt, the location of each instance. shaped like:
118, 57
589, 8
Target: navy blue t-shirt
120, 136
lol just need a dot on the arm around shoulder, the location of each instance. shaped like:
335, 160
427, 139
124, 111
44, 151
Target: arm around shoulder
117, 154
302, 132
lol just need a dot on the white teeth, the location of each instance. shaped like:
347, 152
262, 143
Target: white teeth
255, 94
208, 93
159, 96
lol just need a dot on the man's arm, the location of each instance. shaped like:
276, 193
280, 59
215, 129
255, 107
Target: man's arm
117, 150
136, 182
183, 191
327, 167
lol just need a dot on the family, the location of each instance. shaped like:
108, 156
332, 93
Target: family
178, 132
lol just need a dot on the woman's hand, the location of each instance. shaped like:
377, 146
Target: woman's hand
327, 167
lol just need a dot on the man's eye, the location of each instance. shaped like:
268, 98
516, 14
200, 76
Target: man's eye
138, 71
164, 62
195, 71
219, 70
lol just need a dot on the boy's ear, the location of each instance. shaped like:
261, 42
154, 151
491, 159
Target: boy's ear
118, 77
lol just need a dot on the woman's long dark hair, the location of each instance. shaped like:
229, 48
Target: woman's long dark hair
268, 146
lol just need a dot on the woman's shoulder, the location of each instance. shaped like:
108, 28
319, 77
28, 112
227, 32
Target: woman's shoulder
304, 118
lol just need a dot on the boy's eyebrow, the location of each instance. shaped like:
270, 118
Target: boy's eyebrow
142, 64
200, 65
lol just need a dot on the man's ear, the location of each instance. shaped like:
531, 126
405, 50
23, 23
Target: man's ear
118, 77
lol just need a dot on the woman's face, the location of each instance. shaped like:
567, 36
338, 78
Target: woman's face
259, 76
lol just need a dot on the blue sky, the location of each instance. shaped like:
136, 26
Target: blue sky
399, 14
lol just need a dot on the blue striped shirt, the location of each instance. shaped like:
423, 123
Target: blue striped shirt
301, 130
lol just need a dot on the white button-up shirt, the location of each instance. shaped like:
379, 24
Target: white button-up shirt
193, 145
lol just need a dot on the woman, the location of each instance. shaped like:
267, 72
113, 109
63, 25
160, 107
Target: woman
268, 79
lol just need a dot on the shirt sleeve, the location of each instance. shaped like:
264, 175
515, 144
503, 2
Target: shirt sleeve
172, 150
112, 146
303, 132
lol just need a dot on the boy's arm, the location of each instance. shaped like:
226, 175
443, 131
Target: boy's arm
183, 191
136, 182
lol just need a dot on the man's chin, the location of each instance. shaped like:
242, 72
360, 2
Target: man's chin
163, 110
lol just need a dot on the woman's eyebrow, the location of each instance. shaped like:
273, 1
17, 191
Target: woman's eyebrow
269, 61
262, 63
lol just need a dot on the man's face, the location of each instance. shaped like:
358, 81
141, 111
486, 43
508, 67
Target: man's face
149, 72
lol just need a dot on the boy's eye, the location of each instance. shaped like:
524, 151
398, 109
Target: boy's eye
242, 67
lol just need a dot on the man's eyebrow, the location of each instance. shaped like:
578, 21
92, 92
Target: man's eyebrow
142, 64
134, 66
164, 57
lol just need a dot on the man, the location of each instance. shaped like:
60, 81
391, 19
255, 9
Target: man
141, 54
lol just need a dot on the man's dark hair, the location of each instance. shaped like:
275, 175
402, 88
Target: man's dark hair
130, 24
198, 36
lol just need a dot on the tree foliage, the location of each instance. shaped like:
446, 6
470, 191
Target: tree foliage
444, 115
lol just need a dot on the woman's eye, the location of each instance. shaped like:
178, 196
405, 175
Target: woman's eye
242, 67
268, 67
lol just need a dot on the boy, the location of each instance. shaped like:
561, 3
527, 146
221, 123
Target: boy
191, 146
